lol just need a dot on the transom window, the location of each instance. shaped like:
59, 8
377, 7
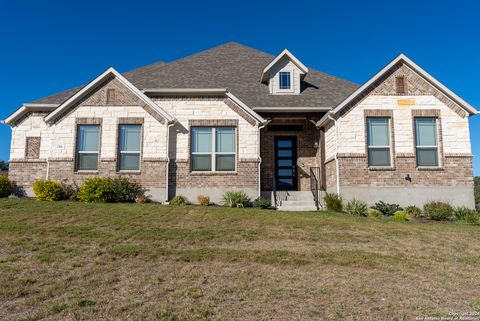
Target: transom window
213, 148
378, 136
129, 147
88, 144
426, 143
284, 80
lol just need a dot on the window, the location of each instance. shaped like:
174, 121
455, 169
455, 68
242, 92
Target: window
129, 147
378, 136
213, 149
88, 144
400, 85
426, 141
284, 79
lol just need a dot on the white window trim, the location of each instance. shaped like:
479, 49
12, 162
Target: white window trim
119, 170
77, 152
389, 146
213, 152
416, 146
292, 85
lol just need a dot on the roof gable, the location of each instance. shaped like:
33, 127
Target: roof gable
110, 73
402, 59
287, 54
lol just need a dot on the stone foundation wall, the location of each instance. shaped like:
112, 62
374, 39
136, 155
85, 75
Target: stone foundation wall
212, 184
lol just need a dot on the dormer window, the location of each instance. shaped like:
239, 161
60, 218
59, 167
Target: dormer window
284, 74
285, 80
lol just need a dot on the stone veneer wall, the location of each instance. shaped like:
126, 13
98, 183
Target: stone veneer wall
307, 155
452, 181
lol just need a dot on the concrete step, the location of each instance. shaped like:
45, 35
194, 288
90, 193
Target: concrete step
296, 208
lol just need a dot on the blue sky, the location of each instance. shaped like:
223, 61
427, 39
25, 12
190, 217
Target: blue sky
51, 46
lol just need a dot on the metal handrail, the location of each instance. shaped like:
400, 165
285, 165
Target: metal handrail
315, 185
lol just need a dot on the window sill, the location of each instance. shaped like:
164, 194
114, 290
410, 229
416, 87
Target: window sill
85, 172
136, 172
429, 168
381, 168
207, 173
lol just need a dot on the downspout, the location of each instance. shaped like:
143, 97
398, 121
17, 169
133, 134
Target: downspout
167, 137
260, 126
337, 167
47, 175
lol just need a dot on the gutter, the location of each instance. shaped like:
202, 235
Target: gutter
292, 109
167, 137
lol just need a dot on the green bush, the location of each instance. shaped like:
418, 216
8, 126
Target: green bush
47, 190
5, 186
179, 200
262, 203
235, 199
413, 211
356, 207
471, 218
125, 190
386, 208
438, 211
96, 190
333, 202
374, 213
400, 216
461, 211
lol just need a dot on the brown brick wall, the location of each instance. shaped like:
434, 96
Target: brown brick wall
456, 170
25, 173
246, 176
307, 156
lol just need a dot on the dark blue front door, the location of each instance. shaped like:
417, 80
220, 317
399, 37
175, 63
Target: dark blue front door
285, 162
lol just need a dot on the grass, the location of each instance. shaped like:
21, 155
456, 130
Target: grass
67, 260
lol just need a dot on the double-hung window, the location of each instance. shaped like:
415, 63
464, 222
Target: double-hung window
213, 148
88, 144
129, 147
284, 80
378, 137
426, 142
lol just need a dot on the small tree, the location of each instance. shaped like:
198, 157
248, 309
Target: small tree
3, 165
477, 191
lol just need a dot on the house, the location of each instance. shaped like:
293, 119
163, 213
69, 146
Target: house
233, 117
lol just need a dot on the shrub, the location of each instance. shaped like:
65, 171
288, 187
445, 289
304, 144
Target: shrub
413, 211
179, 200
47, 190
333, 202
476, 191
262, 203
462, 211
124, 190
400, 216
438, 211
69, 192
471, 218
203, 200
356, 207
5, 186
141, 199
96, 190
235, 199
374, 213
386, 208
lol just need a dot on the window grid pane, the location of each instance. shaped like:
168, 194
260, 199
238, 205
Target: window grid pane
130, 137
284, 80
201, 140
378, 141
225, 139
201, 162
426, 141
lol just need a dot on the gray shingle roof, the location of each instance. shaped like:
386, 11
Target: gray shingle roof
237, 68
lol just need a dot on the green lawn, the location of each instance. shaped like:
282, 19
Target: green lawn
74, 261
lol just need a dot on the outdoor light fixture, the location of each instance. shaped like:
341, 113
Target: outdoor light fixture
315, 145
408, 178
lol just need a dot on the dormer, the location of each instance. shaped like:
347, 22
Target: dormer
284, 74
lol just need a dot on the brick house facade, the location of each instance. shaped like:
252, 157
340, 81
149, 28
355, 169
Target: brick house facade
234, 118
